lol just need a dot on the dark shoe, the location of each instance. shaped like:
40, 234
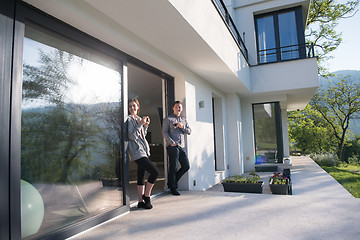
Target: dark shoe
141, 205
174, 192
147, 202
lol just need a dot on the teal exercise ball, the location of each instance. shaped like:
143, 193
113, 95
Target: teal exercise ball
32, 209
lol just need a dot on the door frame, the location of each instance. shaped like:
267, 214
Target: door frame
168, 97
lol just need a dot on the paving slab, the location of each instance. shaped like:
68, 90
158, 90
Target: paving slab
319, 209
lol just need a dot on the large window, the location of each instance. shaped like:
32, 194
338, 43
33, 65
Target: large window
70, 133
268, 133
280, 36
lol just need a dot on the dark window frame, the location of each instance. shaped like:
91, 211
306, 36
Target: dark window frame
18, 14
299, 30
7, 11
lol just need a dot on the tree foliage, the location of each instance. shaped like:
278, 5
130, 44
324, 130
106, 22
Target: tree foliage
338, 103
323, 18
309, 132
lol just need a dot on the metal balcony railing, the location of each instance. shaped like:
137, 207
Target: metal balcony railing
220, 6
291, 52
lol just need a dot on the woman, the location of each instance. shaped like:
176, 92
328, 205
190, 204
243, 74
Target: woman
139, 152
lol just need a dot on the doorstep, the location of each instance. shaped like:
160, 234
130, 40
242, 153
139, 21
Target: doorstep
272, 167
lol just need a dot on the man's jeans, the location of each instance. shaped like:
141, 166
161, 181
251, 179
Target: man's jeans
176, 154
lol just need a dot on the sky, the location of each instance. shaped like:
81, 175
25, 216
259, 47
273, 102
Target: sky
346, 56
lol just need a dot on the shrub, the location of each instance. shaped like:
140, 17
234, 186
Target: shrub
351, 149
328, 159
354, 160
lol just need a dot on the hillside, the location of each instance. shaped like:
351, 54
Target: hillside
355, 75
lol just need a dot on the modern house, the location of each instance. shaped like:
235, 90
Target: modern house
69, 67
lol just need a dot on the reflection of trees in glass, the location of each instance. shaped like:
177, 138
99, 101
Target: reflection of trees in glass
265, 129
111, 137
54, 143
50, 80
54, 138
266, 133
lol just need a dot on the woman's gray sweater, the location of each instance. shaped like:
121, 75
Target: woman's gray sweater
138, 147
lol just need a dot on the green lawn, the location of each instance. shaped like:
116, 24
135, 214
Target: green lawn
348, 176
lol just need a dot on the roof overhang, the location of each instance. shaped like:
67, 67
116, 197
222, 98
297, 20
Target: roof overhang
156, 33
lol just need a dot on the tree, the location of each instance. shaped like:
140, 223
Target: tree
309, 132
338, 103
323, 18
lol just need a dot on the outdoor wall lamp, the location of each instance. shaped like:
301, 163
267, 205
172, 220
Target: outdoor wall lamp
201, 104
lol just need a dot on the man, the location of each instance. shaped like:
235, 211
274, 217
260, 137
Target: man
174, 129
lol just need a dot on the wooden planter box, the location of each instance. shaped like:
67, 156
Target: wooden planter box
282, 189
243, 187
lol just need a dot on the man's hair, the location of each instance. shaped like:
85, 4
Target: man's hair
177, 102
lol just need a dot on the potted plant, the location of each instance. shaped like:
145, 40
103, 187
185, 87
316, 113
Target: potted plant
279, 184
107, 176
237, 183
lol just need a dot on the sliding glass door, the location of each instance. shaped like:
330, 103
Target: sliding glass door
71, 154
268, 133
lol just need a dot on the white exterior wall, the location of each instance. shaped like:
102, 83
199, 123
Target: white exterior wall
234, 123
285, 133
200, 143
248, 135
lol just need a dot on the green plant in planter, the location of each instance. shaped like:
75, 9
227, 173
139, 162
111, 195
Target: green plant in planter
253, 178
238, 183
226, 180
280, 181
277, 178
279, 184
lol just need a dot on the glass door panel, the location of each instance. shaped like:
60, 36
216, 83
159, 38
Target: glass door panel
288, 36
70, 134
265, 133
266, 39
151, 101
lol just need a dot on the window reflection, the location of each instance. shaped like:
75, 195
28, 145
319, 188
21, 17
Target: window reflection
288, 36
277, 36
265, 133
70, 138
266, 39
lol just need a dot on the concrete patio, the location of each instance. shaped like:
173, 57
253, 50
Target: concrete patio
320, 208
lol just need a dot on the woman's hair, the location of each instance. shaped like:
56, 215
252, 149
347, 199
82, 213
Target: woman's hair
137, 103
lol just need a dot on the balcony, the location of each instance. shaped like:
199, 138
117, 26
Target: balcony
295, 80
220, 6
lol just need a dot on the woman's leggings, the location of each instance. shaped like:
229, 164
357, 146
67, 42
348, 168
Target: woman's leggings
144, 164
